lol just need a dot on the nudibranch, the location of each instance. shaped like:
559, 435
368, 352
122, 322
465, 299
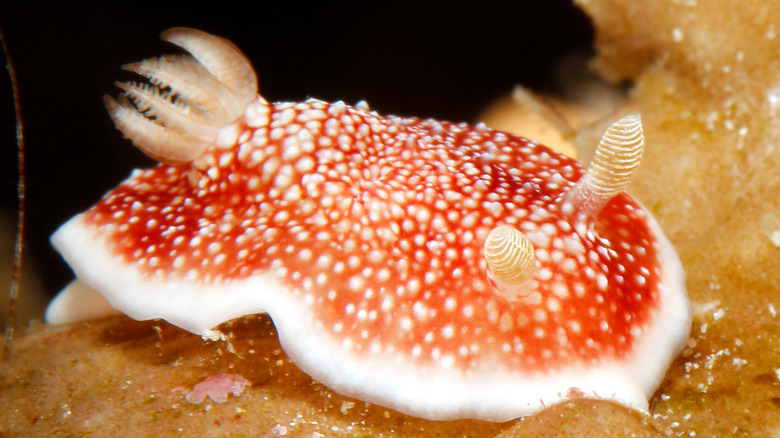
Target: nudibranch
442, 270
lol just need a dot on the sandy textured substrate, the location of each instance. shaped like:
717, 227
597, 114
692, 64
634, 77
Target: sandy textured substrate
119, 377
707, 78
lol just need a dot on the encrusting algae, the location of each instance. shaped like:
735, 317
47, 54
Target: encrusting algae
706, 81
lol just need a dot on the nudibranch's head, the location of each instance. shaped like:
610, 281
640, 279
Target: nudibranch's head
439, 269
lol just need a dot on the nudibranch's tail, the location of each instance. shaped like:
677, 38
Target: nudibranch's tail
617, 158
509, 253
188, 99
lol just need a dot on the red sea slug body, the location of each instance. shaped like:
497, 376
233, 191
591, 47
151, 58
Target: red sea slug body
439, 269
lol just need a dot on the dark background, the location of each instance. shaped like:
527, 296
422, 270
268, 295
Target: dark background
428, 60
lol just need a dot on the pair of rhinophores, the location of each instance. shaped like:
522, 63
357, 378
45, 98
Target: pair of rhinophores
442, 270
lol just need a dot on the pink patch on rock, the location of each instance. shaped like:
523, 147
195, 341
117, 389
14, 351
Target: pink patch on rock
216, 387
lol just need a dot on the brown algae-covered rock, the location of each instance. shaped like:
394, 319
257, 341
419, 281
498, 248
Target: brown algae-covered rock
706, 77
116, 375
706, 85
